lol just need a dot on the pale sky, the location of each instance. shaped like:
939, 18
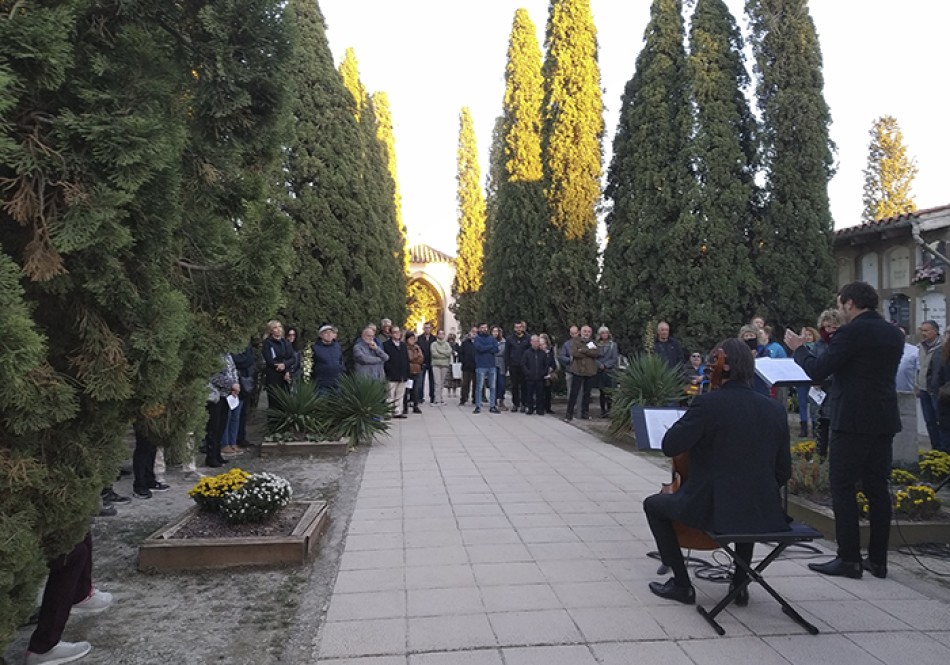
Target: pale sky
432, 57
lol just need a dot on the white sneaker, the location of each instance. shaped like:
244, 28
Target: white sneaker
95, 603
63, 652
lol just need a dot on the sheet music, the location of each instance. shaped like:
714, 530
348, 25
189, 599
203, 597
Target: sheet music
784, 371
657, 421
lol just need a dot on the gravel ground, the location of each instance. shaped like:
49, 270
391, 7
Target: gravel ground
247, 615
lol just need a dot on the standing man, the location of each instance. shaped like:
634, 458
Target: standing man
397, 370
735, 437
863, 356
565, 357
536, 367
516, 344
467, 358
927, 386
584, 354
368, 356
486, 347
425, 343
667, 347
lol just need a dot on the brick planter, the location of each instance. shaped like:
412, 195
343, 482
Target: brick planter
902, 533
302, 448
163, 552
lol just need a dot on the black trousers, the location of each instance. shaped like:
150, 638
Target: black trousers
534, 396
517, 386
580, 383
143, 462
660, 512
217, 415
69, 582
242, 424
865, 458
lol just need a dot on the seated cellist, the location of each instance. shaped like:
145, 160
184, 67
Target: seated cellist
738, 446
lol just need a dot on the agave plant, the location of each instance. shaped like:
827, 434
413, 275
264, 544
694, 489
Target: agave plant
647, 381
357, 410
295, 412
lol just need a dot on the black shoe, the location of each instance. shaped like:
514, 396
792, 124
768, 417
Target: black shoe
213, 463
159, 487
401, 416
585, 416
416, 409
803, 431
838, 568
568, 419
109, 495
462, 403
742, 598
879, 570
493, 410
142, 494
669, 590
530, 412
108, 510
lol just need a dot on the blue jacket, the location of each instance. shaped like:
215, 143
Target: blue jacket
327, 364
486, 347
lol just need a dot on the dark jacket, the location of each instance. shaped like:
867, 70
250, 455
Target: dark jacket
670, 351
515, 348
275, 352
425, 343
327, 364
397, 367
536, 364
863, 356
486, 347
739, 457
467, 354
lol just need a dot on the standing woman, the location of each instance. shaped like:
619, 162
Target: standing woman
501, 368
279, 360
811, 337
606, 364
548, 347
328, 364
293, 337
417, 360
453, 382
441, 353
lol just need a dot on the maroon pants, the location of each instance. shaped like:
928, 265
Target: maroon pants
69, 582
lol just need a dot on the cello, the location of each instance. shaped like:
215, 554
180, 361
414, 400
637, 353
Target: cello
691, 538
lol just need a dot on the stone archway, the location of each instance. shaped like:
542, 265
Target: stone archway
425, 305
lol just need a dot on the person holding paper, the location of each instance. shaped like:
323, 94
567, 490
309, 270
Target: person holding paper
739, 457
863, 356
396, 367
584, 355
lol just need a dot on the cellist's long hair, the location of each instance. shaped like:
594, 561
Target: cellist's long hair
739, 357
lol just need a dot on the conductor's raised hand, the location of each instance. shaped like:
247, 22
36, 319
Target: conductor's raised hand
793, 340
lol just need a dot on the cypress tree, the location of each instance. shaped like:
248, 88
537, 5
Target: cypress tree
889, 174
467, 286
115, 306
654, 250
387, 139
793, 242
572, 132
516, 258
389, 236
342, 250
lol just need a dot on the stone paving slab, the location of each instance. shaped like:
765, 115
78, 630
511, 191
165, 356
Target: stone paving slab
507, 540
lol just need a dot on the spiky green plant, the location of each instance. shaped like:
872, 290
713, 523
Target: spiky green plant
647, 381
357, 410
296, 411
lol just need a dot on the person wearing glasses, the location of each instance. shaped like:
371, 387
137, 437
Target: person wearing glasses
696, 374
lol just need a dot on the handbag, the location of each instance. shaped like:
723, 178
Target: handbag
456, 370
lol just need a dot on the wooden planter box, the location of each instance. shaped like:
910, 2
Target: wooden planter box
297, 448
904, 533
163, 552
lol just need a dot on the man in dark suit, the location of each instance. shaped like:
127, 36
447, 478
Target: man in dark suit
738, 446
863, 356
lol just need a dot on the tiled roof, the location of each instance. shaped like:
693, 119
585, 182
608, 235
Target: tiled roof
420, 253
895, 222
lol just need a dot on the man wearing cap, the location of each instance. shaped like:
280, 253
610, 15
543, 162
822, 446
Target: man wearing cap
328, 364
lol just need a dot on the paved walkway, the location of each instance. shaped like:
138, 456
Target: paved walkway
520, 540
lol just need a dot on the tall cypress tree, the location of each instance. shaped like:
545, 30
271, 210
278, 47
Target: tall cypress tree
889, 174
387, 139
116, 305
467, 286
654, 250
572, 132
380, 189
793, 242
342, 252
516, 257
724, 157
